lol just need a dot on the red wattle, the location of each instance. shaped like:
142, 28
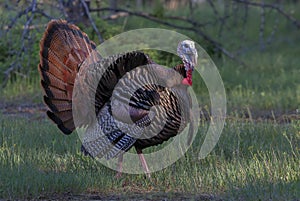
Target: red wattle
187, 82
188, 79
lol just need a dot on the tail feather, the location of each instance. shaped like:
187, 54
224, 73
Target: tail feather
58, 69
62, 50
68, 124
64, 115
54, 68
51, 59
50, 79
54, 91
57, 105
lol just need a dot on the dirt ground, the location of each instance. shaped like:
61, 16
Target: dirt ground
38, 111
137, 196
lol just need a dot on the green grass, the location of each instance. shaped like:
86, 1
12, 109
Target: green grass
22, 90
268, 82
250, 162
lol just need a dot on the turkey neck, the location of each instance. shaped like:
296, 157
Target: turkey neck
189, 72
188, 80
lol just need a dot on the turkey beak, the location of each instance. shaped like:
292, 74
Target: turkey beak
195, 57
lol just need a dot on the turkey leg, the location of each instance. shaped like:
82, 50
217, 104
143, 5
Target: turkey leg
120, 166
143, 162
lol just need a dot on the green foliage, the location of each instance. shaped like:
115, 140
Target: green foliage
107, 29
158, 10
4, 57
22, 54
163, 58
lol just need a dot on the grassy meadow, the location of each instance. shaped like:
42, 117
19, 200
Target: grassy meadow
256, 158
252, 161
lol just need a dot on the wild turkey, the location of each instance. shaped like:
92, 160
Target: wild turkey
67, 55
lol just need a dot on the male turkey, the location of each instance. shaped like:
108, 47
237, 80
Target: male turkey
67, 55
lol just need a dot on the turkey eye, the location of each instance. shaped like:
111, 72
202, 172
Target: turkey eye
185, 45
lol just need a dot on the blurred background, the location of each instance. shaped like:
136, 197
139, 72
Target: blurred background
255, 44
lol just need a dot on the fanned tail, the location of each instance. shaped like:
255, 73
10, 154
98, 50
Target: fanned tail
62, 49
